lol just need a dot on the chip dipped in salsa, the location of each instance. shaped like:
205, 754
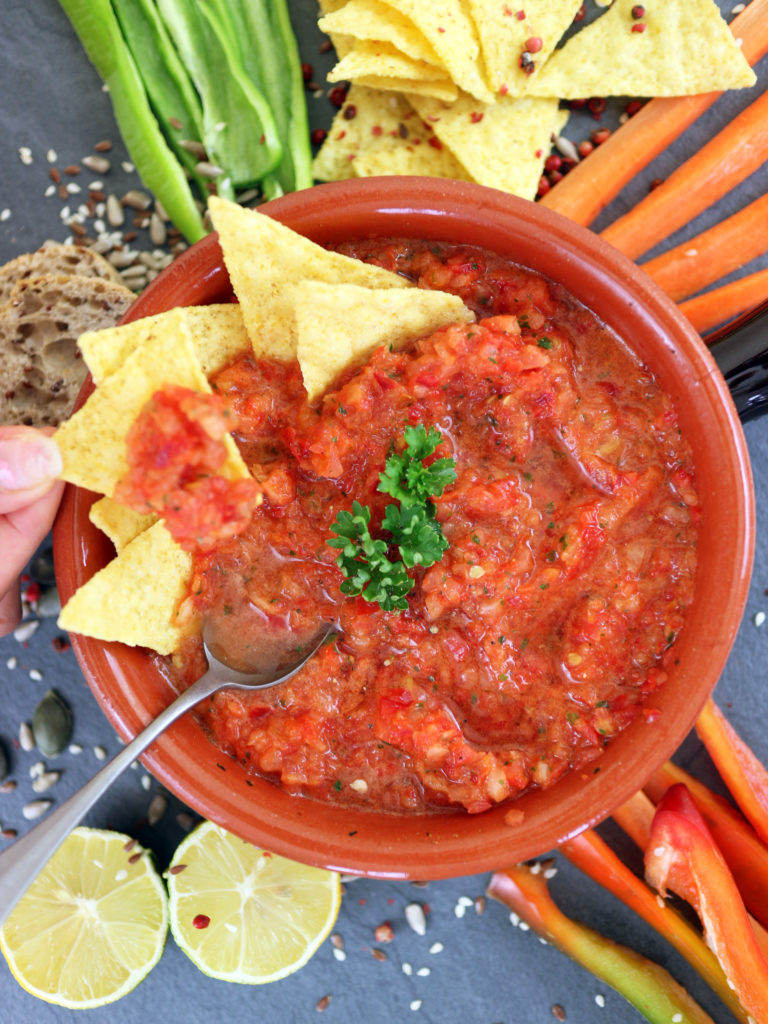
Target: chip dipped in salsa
550, 619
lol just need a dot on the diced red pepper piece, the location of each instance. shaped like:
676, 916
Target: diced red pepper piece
682, 856
643, 983
744, 775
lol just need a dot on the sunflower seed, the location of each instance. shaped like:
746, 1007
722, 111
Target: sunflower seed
416, 918
26, 737
35, 809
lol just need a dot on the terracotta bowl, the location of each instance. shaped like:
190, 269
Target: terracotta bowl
132, 690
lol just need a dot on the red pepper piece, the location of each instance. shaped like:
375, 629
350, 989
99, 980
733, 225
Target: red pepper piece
744, 775
643, 983
744, 854
595, 858
683, 857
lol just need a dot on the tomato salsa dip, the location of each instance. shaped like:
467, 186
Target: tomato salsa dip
549, 621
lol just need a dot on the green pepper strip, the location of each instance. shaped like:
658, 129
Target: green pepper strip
173, 98
744, 854
590, 854
95, 23
239, 131
682, 856
270, 57
647, 986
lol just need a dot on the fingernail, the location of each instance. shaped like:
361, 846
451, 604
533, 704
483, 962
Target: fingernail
26, 463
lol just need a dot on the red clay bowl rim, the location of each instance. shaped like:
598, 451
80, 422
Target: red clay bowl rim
451, 844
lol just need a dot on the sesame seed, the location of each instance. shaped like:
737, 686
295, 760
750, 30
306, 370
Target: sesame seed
5, 214
424, 972
121, 875
51, 156
36, 675
759, 618
407, 969
459, 911
25, 630
415, 1004
677, 1017
127, 166
600, 1000
339, 953
146, 782
476, 572
100, 753
12, 662
691, 252
436, 947
26, 737
25, 155
75, 748
524, 926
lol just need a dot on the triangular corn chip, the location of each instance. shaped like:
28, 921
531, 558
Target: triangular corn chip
384, 61
472, 131
92, 441
684, 48
504, 34
373, 20
385, 136
342, 44
442, 89
133, 599
263, 256
341, 325
120, 523
217, 334
446, 25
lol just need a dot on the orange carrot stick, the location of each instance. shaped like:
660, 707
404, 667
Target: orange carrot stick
743, 851
744, 775
714, 253
723, 304
720, 165
593, 183
595, 858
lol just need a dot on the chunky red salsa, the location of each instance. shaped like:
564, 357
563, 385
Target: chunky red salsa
549, 620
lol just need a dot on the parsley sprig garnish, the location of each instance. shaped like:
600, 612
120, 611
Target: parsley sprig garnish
416, 533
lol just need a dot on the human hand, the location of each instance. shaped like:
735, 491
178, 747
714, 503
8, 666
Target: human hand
29, 497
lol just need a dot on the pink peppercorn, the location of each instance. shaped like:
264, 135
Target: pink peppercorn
338, 95
639, 26
318, 136
585, 147
476, 116
534, 44
553, 163
596, 106
201, 921
544, 187
638, 12
600, 135
633, 107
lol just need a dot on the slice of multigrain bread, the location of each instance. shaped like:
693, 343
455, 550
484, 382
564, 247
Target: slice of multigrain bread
41, 370
55, 258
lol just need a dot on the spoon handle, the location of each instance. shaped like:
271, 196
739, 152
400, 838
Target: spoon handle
21, 863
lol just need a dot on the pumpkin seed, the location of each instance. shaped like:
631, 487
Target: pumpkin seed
52, 724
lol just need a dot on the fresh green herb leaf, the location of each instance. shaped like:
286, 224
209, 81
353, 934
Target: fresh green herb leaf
369, 572
406, 477
417, 534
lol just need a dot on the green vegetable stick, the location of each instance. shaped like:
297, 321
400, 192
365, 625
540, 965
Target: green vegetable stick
95, 23
270, 56
173, 98
239, 131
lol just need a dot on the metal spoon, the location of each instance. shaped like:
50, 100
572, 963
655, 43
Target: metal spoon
21, 863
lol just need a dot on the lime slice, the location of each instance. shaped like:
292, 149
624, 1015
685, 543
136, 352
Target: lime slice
243, 914
92, 925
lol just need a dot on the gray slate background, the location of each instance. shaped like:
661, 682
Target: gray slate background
488, 971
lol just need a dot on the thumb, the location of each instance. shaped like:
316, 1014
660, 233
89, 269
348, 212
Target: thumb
30, 462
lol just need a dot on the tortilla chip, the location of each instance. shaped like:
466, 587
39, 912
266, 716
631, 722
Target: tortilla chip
120, 523
384, 61
443, 89
446, 25
373, 20
341, 325
262, 256
502, 145
133, 599
92, 440
410, 159
686, 48
217, 334
385, 136
342, 44
503, 36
